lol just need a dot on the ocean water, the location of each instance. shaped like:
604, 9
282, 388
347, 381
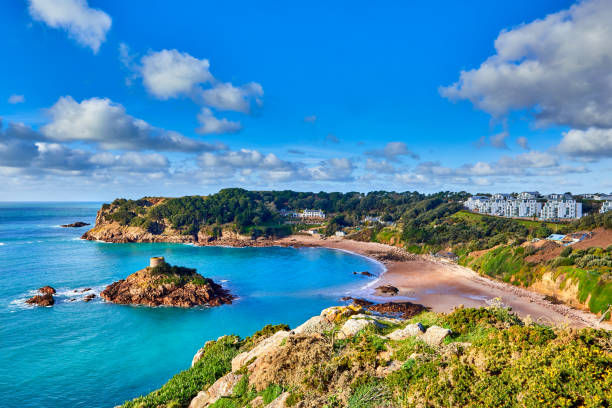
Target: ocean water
98, 354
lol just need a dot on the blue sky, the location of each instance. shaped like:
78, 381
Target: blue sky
101, 99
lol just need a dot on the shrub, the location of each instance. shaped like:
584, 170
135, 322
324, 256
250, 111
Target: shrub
566, 251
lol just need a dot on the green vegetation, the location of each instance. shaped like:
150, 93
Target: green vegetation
177, 275
183, 387
492, 359
591, 268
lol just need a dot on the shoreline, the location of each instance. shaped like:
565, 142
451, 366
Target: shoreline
443, 285
438, 284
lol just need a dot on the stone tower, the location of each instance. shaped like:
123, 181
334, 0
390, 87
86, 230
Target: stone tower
157, 261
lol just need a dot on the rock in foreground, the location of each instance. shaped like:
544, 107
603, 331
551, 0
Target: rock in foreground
164, 285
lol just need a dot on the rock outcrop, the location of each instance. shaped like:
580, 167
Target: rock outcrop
77, 224
168, 286
386, 290
47, 290
41, 300
316, 324
262, 348
223, 387
45, 298
405, 310
435, 335
411, 330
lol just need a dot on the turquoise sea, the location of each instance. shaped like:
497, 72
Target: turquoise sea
97, 354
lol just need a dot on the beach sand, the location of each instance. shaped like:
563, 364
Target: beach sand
443, 285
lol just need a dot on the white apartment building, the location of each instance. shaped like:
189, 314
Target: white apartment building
476, 203
606, 206
526, 205
559, 209
528, 195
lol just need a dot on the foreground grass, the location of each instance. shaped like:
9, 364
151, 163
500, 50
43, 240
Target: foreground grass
491, 359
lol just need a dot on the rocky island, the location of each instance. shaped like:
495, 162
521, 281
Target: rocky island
162, 284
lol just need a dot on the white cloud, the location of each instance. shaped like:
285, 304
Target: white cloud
559, 67
270, 167
392, 151
590, 144
382, 166
60, 157
335, 169
101, 121
210, 124
523, 142
499, 140
131, 161
243, 159
14, 99
86, 25
226, 97
310, 119
170, 73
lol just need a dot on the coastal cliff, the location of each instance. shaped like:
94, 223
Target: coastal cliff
163, 284
118, 224
350, 357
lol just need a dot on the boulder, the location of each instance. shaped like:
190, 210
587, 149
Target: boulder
336, 313
435, 335
357, 323
412, 330
279, 402
262, 348
47, 290
89, 298
364, 273
386, 290
41, 300
223, 387
316, 324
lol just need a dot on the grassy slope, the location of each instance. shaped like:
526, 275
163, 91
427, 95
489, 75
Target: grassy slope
509, 363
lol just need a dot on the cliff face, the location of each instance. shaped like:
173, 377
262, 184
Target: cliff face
108, 230
168, 286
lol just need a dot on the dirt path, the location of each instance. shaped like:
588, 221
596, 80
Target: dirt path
443, 285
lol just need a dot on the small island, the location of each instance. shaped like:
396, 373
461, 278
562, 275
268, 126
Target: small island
161, 284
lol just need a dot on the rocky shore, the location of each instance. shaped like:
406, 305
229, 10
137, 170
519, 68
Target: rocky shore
164, 285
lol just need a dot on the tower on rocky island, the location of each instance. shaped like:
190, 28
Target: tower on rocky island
157, 261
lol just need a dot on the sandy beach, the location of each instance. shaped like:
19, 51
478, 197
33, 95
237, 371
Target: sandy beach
443, 285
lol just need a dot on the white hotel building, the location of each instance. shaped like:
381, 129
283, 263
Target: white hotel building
606, 206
